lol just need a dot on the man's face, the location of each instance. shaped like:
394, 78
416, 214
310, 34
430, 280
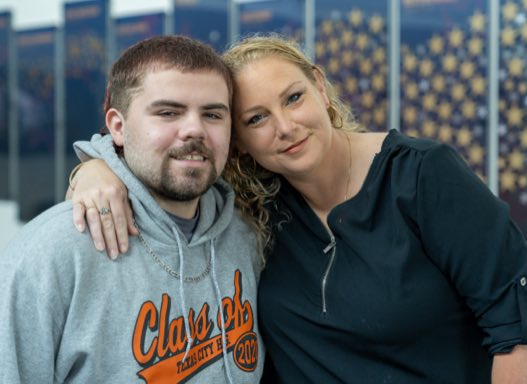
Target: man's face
177, 132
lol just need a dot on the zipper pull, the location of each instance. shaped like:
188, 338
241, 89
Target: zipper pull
330, 245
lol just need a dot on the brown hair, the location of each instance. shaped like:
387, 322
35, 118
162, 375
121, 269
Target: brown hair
159, 52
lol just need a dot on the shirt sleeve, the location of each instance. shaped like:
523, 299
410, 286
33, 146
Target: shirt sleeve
469, 235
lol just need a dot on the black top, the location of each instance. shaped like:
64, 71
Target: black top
425, 281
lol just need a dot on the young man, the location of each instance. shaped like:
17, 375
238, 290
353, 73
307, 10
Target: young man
182, 306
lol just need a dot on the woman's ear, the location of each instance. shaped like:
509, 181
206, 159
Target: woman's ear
115, 124
320, 83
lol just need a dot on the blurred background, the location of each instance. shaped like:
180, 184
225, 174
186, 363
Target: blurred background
450, 70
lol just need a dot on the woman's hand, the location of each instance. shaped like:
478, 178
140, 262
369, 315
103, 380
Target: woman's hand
510, 368
100, 199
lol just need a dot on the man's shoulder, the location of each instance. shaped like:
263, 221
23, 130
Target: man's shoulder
56, 220
50, 232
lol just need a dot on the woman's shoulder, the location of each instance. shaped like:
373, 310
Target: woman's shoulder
394, 149
395, 139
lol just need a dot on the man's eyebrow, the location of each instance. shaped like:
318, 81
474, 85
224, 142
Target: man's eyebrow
216, 106
175, 104
166, 103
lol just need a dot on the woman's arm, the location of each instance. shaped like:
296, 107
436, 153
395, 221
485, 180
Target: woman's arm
510, 368
100, 199
468, 233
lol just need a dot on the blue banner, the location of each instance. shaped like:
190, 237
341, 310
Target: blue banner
85, 35
205, 20
512, 161
351, 45
36, 120
285, 17
421, 19
5, 30
36, 91
130, 30
443, 75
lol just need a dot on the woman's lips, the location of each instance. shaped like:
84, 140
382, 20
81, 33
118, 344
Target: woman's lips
296, 147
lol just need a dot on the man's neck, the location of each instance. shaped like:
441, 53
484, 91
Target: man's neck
182, 209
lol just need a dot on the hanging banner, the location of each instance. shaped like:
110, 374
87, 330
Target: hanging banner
85, 35
351, 44
285, 17
205, 20
36, 120
132, 29
5, 31
512, 108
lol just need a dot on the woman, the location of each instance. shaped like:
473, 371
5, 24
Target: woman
389, 261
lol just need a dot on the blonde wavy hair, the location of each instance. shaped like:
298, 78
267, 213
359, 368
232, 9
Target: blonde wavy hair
254, 185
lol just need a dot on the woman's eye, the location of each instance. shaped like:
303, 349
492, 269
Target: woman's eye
294, 97
255, 119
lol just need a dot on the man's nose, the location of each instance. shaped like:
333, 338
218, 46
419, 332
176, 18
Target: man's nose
192, 127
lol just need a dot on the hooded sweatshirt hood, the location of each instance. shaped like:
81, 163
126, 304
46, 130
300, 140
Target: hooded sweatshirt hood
216, 205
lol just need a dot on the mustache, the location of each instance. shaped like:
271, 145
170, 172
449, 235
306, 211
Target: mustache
192, 147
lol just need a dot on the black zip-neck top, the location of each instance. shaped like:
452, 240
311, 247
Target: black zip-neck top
421, 279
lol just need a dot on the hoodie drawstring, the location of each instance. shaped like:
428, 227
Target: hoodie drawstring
220, 308
190, 340
182, 296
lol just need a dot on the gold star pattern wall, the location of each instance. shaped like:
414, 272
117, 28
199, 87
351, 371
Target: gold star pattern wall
513, 100
353, 51
444, 80
443, 85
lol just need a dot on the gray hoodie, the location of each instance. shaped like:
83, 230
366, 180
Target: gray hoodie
69, 314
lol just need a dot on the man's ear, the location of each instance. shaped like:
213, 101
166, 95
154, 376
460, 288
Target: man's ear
115, 124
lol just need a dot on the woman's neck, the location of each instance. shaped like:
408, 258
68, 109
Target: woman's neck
330, 183
340, 177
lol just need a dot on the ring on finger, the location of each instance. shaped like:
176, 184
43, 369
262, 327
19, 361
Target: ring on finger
104, 211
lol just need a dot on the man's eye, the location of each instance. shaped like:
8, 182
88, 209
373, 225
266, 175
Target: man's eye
215, 116
167, 113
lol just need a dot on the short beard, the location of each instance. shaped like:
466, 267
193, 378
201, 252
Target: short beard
170, 189
184, 188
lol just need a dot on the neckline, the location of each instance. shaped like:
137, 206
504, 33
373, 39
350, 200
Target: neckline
386, 144
385, 148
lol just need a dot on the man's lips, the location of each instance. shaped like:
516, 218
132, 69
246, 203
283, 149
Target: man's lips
194, 151
190, 157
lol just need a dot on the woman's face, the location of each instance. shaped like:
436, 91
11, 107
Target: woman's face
280, 117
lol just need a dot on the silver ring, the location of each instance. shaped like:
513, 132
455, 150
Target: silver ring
104, 211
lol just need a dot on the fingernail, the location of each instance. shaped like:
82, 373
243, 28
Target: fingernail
124, 248
79, 227
99, 246
113, 254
